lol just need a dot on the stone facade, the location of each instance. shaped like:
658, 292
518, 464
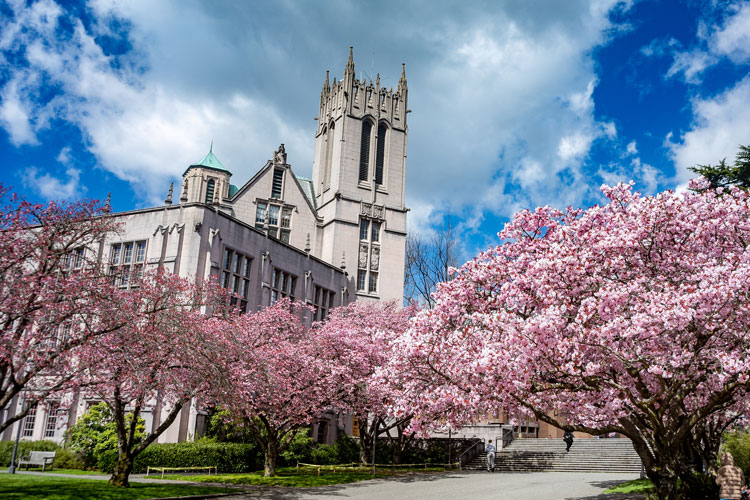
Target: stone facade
278, 234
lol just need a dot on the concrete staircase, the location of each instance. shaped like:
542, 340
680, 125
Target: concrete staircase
586, 455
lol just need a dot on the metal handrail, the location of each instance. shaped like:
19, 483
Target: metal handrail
460, 460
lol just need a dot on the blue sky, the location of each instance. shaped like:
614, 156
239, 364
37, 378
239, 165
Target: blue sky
515, 104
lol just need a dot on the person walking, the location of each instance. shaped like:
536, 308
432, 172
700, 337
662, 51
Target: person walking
490, 456
568, 438
730, 478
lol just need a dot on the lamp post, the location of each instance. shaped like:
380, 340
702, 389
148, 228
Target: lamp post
12, 468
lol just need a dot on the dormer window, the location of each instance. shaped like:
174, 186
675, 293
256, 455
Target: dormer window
278, 180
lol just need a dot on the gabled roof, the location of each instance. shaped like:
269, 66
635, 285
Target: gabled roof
210, 161
308, 189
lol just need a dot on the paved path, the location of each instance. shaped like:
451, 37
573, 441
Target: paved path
445, 486
462, 486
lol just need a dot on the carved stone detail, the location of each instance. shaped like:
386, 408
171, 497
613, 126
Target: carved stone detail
363, 248
378, 212
365, 209
375, 258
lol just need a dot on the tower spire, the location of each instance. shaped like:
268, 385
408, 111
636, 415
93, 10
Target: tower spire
402, 80
326, 85
350, 62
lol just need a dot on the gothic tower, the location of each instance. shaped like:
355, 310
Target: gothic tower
359, 175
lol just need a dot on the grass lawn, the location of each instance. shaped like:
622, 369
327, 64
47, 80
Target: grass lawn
27, 487
288, 476
635, 486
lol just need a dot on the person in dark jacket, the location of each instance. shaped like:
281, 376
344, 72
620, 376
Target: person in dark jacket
730, 478
568, 438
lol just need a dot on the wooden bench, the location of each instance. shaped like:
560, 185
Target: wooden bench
39, 459
209, 468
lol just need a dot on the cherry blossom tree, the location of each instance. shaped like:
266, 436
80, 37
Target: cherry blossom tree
279, 380
52, 294
160, 359
358, 339
630, 317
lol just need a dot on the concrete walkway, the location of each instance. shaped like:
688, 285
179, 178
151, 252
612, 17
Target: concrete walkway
462, 486
445, 486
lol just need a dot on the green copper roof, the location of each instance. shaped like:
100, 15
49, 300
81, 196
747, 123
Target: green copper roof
233, 190
210, 161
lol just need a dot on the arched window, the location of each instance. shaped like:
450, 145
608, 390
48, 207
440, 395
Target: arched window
380, 158
364, 152
210, 186
329, 156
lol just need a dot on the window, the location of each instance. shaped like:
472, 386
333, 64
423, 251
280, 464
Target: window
126, 262
50, 428
74, 259
380, 157
368, 263
364, 152
286, 217
273, 215
323, 302
260, 213
278, 179
322, 431
28, 423
329, 156
210, 187
283, 285
279, 219
235, 277
375, 235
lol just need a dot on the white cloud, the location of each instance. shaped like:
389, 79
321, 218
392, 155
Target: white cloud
632, 148
721, 123
15, 115
731, 39
502, 94
51, 187
64, 156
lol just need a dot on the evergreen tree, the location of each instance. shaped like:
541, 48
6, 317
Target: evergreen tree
723, 175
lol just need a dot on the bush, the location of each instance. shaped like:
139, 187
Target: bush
227, 457
24, 447
94, 436
68, 459
738, 444
304, 449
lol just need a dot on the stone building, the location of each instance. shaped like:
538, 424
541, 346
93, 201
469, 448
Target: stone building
326, 242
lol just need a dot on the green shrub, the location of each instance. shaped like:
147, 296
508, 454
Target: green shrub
299, 450
24, 447
738, 444
227, 457
94, 437
68, 459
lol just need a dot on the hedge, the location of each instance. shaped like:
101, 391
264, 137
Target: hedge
227, 457
24, 447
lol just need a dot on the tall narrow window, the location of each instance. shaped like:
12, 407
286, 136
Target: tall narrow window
278, 179
364, 152
50, 428
28, 423
329, 156
380, 158
210, 186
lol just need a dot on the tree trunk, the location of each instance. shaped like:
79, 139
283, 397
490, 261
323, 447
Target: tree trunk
122, 472
271, 452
